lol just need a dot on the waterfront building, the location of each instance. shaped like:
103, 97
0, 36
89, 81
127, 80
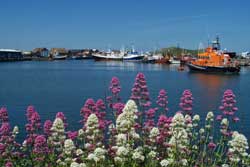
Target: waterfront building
58, 52
10, 55
40, 52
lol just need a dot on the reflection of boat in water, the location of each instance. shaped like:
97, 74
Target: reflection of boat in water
80, 57
214, 60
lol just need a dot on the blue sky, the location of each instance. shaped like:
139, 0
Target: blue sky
26, 24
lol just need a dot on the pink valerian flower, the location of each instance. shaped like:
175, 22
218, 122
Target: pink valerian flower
40, 145
72, 135
9, 164
118, 107
47, 126
140, 92
115, 87
211, 145
34, 121
5, 129
164, 128
162, 101
140, 95
227, 107
186, 102
33, 126
88, 108
149, 122
3, 115
63, 118
100, 109
2, 148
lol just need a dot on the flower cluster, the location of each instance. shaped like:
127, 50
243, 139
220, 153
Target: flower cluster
162, 101
186, 102
228, 107
177, 141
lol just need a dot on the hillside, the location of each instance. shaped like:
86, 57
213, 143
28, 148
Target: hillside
175, 51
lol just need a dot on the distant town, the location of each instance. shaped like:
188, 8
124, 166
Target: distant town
173, 55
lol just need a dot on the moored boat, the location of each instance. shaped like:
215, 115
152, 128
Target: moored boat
133, 57
214, 60
107, 56
174, 61
58, 57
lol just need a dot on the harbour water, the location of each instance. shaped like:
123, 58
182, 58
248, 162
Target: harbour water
63, 86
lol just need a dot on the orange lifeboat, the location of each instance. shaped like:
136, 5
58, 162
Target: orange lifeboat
214, 60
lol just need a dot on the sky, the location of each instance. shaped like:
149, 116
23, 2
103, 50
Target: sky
146, 24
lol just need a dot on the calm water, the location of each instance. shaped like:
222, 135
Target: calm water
63, 86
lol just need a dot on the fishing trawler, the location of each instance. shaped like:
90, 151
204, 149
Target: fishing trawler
214, 60
133, 55
110, 55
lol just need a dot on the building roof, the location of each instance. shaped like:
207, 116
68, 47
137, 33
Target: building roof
9, 50
39, 50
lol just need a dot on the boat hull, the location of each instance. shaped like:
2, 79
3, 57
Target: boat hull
133, 58
208, 69
59, 57
106, 58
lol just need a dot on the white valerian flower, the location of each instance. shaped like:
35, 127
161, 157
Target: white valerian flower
58, 133
133, 134
179, 139
24, 143
184, 162
154, 132
178, 120
224, 122
92, 123
79, 152
58, 125
238, 146
122, 151
196, 118
68, 146
224, 165
100, 153
195, 147
152, 154
15, 130
210, 116
80, 132
82, 165
201, 131
164, 163
138, 154
121, 139
75, 164
118, 159
126, 119
92, 157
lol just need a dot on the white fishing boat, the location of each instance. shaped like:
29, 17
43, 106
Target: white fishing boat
59, 57
174, 61
110, 55
133, 56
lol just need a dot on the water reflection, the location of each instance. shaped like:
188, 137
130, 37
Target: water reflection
212, 86
132, 66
